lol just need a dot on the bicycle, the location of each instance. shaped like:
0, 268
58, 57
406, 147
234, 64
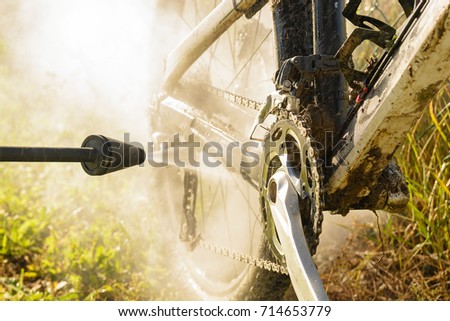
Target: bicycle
279, 202
293, 120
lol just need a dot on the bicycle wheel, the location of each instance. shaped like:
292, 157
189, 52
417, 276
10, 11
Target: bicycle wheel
216, 202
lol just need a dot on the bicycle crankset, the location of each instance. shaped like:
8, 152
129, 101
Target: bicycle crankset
291, 200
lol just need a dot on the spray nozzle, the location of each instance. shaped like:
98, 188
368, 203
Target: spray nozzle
98, 155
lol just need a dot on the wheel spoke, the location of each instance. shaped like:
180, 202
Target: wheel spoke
248, 61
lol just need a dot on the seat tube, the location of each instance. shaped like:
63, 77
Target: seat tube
293, 28
328, 37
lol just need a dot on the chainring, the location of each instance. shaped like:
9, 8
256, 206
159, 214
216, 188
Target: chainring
289, 144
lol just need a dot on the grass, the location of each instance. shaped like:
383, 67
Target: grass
50, 254
410, 260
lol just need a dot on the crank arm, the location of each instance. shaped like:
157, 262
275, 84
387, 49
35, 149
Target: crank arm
283, 200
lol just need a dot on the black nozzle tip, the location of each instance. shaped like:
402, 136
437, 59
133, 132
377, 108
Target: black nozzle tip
111, 155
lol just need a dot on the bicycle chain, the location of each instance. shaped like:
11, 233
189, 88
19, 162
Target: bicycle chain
244, 258
233, 98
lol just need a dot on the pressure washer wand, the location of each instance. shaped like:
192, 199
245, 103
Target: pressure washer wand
98, 155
